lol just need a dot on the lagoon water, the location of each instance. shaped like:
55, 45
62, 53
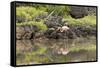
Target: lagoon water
42, 51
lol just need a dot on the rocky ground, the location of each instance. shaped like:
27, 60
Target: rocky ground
55, 31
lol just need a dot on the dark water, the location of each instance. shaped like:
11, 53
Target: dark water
43, 51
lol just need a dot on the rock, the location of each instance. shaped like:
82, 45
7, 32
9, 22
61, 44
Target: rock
84, 31
78, 11
27, 28
93, 31
64, 32
60, 33
19, 32
91, 10
39, 34
25, 32
48, 32
20, 19
53, 21
28, 35
31, 28
39, 17
71, 34
57, 35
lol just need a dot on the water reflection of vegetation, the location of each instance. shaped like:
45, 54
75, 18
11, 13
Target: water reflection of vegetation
87, 47
46, 51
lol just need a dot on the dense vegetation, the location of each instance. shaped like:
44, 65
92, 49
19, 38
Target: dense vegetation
87, 20
27, 15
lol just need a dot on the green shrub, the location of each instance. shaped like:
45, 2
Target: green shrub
40, 24
87, 20
28, 12
58, 10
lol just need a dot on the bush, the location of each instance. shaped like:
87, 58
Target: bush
87, 20
58, 10
28, 12
40, 24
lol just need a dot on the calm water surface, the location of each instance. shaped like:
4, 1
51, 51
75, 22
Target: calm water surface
55, 51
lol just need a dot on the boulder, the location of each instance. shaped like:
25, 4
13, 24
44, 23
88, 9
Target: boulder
25, 32
84, 31
91, 10
58, 34
53, 21
39, 34
28, 35
48, 32
39, 17
19, 32
78, 11
20, 19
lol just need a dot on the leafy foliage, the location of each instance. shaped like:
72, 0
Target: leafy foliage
28, 12
87, 20
58, 10
40, 24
